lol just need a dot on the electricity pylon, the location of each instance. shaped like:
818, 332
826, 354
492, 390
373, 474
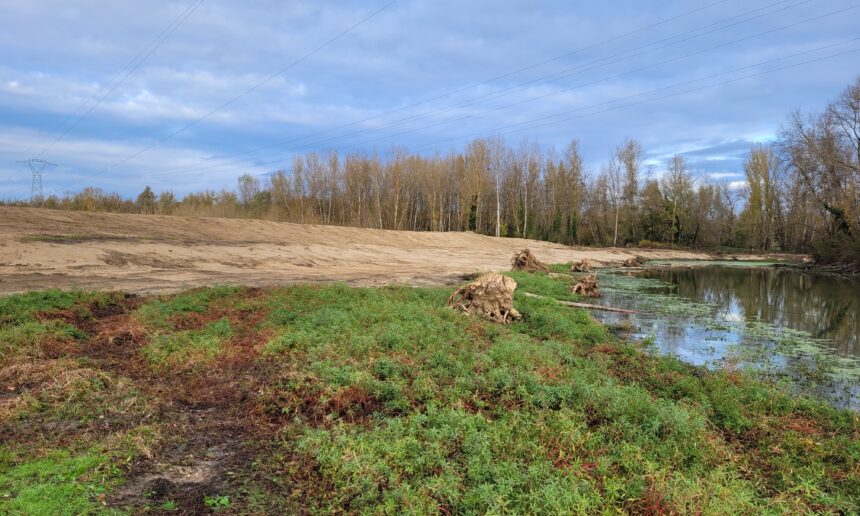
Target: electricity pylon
37, 166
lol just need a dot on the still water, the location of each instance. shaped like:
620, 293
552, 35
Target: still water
800, 329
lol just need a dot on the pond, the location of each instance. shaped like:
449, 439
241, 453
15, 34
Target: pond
793, 327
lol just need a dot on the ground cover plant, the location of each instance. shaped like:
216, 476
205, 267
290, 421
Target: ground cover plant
317, 399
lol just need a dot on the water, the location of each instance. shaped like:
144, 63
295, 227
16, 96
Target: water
800, 329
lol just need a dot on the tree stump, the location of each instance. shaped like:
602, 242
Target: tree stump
526, 261
636, 261
491, 296
586, 286
581, 266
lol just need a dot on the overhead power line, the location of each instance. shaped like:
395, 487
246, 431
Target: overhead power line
435, 124
244, 93
591, 65
484, 81
122, 75
570, 72
663, 97
545, 123
605, 79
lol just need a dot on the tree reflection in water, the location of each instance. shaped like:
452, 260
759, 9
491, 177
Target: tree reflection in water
774, 318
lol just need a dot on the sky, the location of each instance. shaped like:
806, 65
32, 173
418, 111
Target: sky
205, 103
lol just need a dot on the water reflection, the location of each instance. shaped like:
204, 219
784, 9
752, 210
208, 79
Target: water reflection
828, 307
767, 318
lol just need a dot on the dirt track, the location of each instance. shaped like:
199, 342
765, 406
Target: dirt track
141, 253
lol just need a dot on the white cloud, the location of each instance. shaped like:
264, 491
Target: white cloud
87, 163
412, 51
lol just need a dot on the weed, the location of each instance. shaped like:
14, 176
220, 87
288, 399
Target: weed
386, 401
216, 502
189, 348
58, 482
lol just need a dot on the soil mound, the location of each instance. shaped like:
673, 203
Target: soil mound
526, 261
586, 286
491, 296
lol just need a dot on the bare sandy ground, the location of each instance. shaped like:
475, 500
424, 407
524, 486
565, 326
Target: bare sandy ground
144, 254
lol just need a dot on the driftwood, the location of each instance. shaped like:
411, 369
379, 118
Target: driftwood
585, 305
526, 261
491, 296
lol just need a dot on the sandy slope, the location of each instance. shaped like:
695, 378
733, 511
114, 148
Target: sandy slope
156, 254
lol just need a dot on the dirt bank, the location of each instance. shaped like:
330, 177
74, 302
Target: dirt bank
143, 253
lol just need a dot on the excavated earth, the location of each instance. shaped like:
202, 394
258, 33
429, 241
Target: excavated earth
148, 253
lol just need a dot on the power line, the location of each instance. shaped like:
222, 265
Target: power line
246, 92
550, 94
576, 71
476, 99
132, 66
692, 90
599, 63
483, 82
540, 119
365, 142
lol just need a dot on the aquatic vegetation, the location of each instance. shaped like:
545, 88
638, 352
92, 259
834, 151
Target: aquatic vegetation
713, 334
652, 295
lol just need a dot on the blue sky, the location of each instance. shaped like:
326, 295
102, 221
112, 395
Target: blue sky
630, 76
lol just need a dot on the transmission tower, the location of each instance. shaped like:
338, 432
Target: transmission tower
37, 166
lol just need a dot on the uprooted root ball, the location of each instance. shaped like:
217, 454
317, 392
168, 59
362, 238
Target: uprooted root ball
526, 261
636, 261
581, 266
586, 286
491, 296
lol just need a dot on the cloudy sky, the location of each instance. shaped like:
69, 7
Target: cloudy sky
704, 79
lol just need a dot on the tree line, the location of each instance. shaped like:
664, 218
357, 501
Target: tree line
801, 193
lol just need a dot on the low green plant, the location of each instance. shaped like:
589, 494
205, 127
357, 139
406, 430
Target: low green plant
217, 501
387, 401
190, 347
157, 313
56, 482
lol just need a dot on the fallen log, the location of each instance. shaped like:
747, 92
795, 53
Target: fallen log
585, 305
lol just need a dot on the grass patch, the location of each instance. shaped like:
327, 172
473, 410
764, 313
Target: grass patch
28, 320
58, 482
544, 285
548, 415
386, 401
193, 347
158, 312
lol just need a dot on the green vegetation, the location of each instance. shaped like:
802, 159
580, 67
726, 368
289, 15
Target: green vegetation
216, 502
178, 348
29, 320
57, 482
331, 398
762, 347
